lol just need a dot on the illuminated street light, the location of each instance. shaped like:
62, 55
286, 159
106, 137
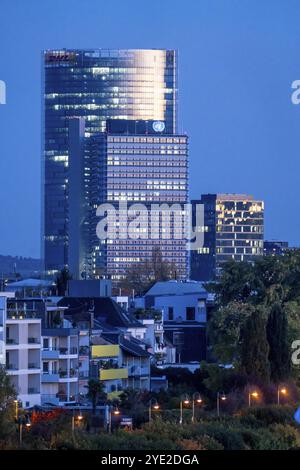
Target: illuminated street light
79, 418
115, 412
153, 405
198, 400
184, 401
252, 394
220, 396
281, 391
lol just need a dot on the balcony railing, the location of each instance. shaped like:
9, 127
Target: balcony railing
112, 374
33, 365
11, 367
65, 374
66, 351
33, 390
32, 340
11, 341
63, 351
21, 315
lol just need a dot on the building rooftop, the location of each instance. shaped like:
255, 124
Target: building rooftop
30, 283
176, 288
105, 310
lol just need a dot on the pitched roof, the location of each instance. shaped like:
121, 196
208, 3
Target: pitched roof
105, 310
176, 288
133, 347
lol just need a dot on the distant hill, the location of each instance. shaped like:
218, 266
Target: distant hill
9, 265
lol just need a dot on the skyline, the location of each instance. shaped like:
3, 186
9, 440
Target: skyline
241, 70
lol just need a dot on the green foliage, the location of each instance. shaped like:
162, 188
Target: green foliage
62, 281
7, 405
225, 330
255, 348
272, 285
279, 356
95, 392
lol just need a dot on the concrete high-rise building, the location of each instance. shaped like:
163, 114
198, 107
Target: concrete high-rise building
233, 229
95, 85
134, 162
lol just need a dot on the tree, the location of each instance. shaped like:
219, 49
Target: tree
236, 283
141, 276
279, 356
62, 281
254, 347
225, 329
95, 392
7, 397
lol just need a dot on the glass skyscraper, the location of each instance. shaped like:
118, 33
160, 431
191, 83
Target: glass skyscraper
233, 230
96, 85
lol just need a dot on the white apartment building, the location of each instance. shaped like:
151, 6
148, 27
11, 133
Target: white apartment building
60, 358
20, 347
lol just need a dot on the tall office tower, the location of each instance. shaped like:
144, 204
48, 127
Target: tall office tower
233, 229
96, 85
134, 162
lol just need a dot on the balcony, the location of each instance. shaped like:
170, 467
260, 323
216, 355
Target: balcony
11, 367
68, 352
64, 374
22, 315
50, 377
33, 391
32, 340
137, 371
11, 341
33, 365
50, 353
111, 350
111, 374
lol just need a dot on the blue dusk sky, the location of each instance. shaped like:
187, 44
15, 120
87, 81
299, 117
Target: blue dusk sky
237, 61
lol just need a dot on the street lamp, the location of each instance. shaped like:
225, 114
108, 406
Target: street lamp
198, 400
153, 404
79, 418
183, 401
116, 412
220, 396
250, 395
24, 420
282, 391
16, 402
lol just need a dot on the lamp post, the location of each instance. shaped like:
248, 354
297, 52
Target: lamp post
79, 418
16, 402
116, 412
183, 401
250, 395
21, 422
282, 391
220, 396
153, 404
196, 399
